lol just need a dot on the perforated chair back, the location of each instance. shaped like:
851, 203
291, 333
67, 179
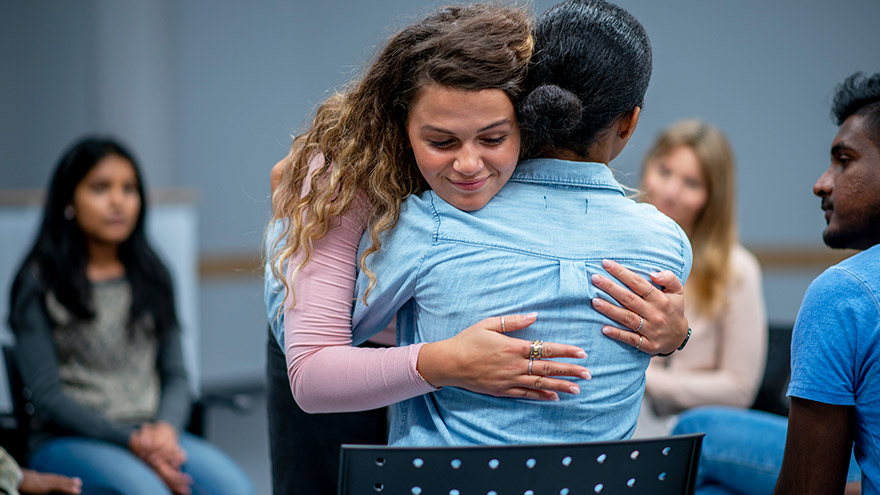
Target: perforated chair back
658, 466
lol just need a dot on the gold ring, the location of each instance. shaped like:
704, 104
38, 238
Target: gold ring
502, 325
649, 291
536, 349
640, 341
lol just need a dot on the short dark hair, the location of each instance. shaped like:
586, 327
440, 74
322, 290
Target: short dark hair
859, 95
592, 65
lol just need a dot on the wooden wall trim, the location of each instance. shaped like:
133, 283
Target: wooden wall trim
250, 265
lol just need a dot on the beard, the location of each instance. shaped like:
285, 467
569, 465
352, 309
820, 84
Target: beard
864, 234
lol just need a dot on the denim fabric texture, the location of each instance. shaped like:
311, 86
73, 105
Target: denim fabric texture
532, 248
273, 289
835, 351
115, 468
742, 450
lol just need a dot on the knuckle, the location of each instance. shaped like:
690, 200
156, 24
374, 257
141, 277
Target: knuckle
547, 368
547, 351
539, 382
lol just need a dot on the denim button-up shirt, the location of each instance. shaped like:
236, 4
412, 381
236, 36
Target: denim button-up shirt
532, 248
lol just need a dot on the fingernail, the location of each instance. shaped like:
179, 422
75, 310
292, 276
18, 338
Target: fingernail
580, 354
555, 398
597, 302
586, 375
607, 263
597, 279
606, 330
533, 314
574, 389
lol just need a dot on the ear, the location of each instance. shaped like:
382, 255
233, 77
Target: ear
626, 126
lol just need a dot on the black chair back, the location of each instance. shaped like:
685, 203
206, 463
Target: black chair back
658, 466
777, 373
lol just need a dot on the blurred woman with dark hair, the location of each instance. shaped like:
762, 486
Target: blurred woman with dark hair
98, 342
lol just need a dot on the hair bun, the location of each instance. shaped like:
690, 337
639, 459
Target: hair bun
548, 113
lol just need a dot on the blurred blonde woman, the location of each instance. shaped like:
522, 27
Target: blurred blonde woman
689, 175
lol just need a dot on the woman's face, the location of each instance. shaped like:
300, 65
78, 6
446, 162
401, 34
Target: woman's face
674, 183
106, 202
466, 143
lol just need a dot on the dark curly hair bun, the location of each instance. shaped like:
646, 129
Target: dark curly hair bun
547, 114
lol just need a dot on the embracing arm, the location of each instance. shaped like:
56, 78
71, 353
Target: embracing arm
326, 373
38, 364
817, 449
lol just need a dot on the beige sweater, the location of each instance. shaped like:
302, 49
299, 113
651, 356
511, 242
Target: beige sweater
723, 363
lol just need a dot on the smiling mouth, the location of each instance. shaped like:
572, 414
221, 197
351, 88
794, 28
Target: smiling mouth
470, 185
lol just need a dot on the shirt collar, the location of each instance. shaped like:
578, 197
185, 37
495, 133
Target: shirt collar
564, 172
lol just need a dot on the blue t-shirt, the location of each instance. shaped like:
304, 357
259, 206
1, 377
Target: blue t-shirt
835, 351
532, 248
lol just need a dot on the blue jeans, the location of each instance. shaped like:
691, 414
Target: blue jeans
742, 451
106, 465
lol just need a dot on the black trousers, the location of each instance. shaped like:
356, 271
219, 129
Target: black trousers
304, 448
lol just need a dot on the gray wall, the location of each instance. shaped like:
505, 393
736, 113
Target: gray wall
208, 92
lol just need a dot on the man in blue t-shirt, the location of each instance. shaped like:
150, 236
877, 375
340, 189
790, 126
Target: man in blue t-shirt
835, 381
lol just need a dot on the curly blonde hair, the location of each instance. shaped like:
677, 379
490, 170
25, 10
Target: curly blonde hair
361, 131
714, 233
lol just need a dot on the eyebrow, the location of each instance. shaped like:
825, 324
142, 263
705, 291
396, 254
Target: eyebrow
501, 122
837, 148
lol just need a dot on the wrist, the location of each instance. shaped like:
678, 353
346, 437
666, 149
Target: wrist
429, 365
684, 343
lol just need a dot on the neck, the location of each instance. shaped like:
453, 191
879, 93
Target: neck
104, 262
571, 156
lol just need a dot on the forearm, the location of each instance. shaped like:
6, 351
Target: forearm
345, 378
175, 401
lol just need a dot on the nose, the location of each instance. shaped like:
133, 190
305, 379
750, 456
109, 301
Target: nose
824, 184
468, 161
668, 190
117, 195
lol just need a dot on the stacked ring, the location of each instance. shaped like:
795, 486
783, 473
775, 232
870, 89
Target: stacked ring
536, 349
530, 366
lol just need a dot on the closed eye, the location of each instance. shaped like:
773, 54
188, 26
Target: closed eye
494, 141
441, 144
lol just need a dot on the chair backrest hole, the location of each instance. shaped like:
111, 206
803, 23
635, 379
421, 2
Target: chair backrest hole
666, 450
566, 461
378, 487
454, 491
601, 458
380, 461
634, 455
455, 463
494, 463
631, 483
598, 488
418, 462
564, 491
416, 490
531, 463
662, 477
529, 492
